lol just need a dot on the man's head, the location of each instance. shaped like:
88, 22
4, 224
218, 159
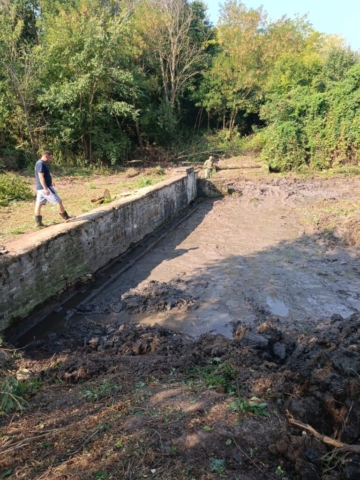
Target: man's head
47, 156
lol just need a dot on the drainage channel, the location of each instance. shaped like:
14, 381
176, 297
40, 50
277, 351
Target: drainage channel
53, 316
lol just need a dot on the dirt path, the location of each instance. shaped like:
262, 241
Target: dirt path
135, 386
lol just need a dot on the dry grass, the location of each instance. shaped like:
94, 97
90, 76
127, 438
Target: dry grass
76, 192
338, 218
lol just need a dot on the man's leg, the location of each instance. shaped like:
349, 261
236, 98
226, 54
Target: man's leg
60, 207
37, 211
63, 212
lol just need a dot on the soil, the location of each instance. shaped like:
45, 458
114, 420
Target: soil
193, 363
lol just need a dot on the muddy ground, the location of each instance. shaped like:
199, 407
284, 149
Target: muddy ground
196, 362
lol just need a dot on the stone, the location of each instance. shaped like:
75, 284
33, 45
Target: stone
254, 340
279, 350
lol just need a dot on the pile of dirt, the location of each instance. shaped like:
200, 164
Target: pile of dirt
234, 406
157, 296
150, 297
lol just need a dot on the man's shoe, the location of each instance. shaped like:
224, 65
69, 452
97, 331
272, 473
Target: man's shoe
65, 216
38, 221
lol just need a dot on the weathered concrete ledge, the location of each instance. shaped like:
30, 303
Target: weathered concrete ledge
46, 262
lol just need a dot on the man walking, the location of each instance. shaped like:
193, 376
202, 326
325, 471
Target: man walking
45, 189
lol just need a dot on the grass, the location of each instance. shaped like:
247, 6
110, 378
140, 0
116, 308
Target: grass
78, 185
217, 375
334, 217
75, 186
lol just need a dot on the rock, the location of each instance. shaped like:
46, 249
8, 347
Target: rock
23, 374
347, 361
254, 340
279, 350
306, 410
270, 331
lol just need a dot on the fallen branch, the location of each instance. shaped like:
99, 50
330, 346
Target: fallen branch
25, 441
196, 154
323, 438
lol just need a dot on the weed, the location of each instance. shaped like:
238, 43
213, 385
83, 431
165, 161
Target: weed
13, 393
216, 375
43, 445
279, 471
92, 186
252, 452
249, 406
143, 182
158, 171
101, 476
217, 465
106, 389
7, 473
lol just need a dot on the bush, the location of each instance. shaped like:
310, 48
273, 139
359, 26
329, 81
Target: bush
13, 187
283, 149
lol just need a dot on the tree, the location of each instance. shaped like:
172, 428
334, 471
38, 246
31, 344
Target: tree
19, 59
87, 87
176, 36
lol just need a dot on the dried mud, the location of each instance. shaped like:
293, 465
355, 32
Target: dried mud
261, 312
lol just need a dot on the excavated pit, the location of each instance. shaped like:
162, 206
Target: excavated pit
241, 282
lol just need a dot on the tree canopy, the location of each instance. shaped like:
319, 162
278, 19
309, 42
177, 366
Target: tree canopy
99, 80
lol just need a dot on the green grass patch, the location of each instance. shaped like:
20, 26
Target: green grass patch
216, 375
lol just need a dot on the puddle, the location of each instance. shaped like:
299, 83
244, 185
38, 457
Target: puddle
354, 302
277, 307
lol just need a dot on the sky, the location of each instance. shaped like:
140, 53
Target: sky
326, 16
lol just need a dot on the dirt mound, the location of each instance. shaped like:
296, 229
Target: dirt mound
150, 297
250, 386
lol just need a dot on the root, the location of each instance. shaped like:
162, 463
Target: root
323, 438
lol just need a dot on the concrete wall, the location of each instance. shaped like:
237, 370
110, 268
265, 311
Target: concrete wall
46, 262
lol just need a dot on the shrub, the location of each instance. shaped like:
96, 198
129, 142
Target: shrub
13, 187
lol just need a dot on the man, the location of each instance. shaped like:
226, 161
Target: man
209, 165
45, 189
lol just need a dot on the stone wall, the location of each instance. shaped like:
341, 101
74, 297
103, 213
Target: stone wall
48, 261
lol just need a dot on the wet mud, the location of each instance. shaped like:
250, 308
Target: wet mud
245, 258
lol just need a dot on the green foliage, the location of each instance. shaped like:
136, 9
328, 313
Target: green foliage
217, 465
98, 82
315, 125
217, 374
13, 187
249, 406
105, 390
158, 170
13, 393
143, 182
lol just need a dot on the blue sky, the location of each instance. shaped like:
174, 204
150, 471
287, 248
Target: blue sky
327, 16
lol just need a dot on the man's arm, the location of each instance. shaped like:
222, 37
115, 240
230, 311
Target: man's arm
43, 184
